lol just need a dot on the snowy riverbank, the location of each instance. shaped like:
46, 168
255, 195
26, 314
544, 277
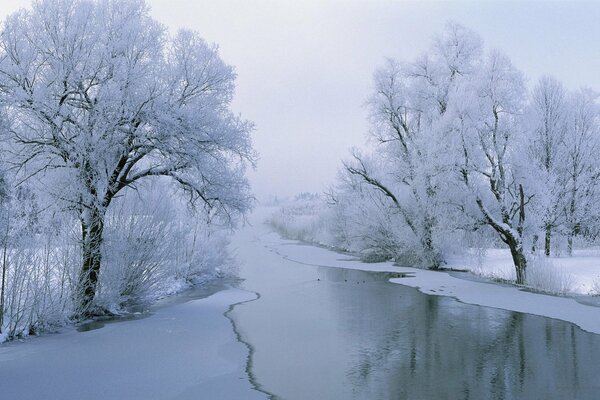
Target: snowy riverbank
184, 351
470, 291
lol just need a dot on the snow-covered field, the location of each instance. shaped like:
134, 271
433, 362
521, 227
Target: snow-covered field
187, 351
582, 269
575, 275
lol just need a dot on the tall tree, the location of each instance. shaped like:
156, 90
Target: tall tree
4, 231
98, 96
547, 119
408, 103
488, 118
581, 168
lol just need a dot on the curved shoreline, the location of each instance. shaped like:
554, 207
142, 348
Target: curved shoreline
198, 350
443, 283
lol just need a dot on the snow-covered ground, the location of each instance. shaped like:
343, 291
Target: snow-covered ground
584, 268
575, 275
186, 351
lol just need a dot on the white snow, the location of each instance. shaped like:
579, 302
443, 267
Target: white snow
578, 274
187, 351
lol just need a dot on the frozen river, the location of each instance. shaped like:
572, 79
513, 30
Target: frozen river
314, 332
186, 350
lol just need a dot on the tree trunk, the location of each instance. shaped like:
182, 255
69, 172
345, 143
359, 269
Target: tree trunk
432, 256
574, 232
92, 229
513, 239
4, 267
516, 246
519, 260
570, 244
547, 240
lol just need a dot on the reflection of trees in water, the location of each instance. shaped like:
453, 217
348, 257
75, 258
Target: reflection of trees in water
409, 345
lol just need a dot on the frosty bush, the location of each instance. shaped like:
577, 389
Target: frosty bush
155, 246
545, 276
499, 273
302, 218
138, 251
38, 276
208, 256
345, 221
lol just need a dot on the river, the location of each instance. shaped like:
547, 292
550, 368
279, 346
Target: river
329, 333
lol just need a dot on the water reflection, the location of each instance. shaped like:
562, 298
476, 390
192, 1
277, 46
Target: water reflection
352, 335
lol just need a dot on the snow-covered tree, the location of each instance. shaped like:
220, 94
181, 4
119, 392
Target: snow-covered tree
546, 120
407, 107
97, 96
463, 151
488, 111
563, 139
581, 168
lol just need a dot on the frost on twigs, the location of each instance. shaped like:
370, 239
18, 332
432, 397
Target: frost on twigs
96, 99
463, 154
545, 276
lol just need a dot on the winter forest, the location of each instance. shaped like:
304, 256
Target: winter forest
128, 209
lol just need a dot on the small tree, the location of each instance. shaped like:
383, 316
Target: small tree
97, 96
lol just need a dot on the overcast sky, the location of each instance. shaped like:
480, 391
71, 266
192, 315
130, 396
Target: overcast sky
304, 67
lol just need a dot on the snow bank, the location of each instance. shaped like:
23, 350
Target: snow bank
575, 275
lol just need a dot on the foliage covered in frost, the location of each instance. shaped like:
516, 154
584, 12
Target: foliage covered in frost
545, 276
97, 97
96, 100
464, 156
154, 247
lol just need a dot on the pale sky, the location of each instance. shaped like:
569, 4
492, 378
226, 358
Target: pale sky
304, 67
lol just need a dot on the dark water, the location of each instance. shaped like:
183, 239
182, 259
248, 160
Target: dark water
324, 333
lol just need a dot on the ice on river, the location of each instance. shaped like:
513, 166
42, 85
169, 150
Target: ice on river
187, 351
